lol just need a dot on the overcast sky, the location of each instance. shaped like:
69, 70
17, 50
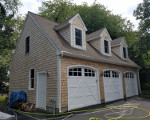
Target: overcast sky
124, 8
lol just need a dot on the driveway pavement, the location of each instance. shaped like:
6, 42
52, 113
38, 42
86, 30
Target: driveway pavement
133, 108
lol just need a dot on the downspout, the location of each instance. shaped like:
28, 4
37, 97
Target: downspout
59, 55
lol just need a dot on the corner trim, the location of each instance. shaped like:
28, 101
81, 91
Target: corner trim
59, 82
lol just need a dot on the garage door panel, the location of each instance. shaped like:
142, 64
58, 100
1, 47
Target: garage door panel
131, 84
113, 89
83, 90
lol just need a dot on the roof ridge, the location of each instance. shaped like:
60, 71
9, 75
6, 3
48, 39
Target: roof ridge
43, 17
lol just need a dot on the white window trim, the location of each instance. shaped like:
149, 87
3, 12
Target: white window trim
103, 50
30, 79
77, 46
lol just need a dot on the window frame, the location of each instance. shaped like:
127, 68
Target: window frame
78, 46
27, 45
106, 47
31, 79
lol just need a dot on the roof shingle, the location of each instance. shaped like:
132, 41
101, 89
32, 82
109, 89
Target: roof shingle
63, 45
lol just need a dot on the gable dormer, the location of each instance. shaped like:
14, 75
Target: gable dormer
101, 41
73, 31
120, 47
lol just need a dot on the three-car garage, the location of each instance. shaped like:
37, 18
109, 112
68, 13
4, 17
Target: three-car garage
84, 89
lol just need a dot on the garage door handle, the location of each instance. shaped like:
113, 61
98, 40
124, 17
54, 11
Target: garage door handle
96, 81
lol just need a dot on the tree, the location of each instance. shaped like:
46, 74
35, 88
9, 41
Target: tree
142, 13
95, 17
8, 10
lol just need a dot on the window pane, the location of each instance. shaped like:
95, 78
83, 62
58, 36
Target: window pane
79, 74
124, 52
70, 73
75, 73
78, 34
27, 44
32, 83
32, 73
106, 46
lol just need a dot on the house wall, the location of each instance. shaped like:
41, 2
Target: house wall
42, 57
65, 33
68, 61
77, 23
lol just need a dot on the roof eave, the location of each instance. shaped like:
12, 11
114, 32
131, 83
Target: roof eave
64, 53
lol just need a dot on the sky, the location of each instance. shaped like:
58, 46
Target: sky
124, 8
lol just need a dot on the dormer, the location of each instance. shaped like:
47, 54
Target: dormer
120, 47
101, 41
73, 30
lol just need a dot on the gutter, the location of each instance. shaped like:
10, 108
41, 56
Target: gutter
64, 53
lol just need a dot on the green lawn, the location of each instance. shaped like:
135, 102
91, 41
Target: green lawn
3, 101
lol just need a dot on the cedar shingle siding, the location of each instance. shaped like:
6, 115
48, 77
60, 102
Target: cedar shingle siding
42, 57
48, 40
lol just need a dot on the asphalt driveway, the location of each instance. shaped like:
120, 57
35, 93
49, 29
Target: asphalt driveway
133, 108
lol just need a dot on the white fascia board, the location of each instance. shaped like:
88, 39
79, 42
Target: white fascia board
51, 41
64, 53
107, 33
123, 39
78, 15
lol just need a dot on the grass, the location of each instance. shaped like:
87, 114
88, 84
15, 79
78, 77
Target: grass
3, 101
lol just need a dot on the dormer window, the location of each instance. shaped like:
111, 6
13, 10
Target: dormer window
78, 37
124, 53
106, 47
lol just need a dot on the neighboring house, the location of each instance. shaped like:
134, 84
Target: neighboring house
60, 63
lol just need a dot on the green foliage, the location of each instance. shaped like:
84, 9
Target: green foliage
3, 102
95, 17
142, 13
8, 36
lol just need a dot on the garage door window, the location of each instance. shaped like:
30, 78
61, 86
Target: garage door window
107, 74
129, 75
89, 73
75, 72
115, 74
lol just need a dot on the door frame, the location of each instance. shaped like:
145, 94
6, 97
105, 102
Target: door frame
44, 72
97, 78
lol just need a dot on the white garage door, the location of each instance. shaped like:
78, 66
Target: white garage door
83, 88
131, 84
112, 85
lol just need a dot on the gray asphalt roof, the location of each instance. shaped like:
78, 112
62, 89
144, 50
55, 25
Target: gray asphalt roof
49, 27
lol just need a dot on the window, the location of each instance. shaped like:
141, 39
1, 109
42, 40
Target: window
115, 74
75, 72
129, 75
124, 52
89, 73
78, 37
27, 46
31, 81
106, 74
106, 46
